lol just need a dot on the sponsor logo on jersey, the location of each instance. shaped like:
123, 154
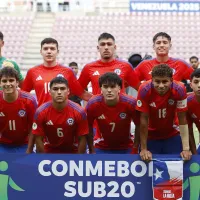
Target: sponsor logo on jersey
2, 114
70, 121
96, 73
153, 104
118, 71
122, 115
171, 102
60, 75
34, 126
39, 78
22, 113
139, 103
101, 116
49, 122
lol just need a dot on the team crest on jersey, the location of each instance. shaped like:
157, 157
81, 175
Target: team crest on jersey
70, 121
118, 71
34, 126
122, 115
60, 75
22, 113
139, 103
171, 102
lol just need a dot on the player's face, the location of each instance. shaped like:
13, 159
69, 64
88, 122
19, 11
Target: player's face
162, 46
59, 92
106, 48
110, 91
9, 84
75, 69
49, 52
195, 85
194, 62
162, 84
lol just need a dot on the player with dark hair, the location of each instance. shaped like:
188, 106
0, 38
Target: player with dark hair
160, 101
193, 103
162, 44
17, 109
39, 77
107, 63
194, 61
113, 112
60, 122
4, 62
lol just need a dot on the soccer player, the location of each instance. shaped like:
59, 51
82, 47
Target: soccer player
113, 112
108, 63
17, 109
60, 122
193, 102
162, 44
4, 62
39, 77
160, 101
194, 61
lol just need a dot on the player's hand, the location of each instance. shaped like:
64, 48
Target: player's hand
186, 155
146, 155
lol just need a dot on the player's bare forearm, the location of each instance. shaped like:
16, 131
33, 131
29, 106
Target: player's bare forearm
143, 130
90, 140
192, 141
31, 142
39, 144
182, 118
82, 144
86, 95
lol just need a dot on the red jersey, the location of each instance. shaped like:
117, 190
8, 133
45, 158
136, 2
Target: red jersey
92, 71
60, 128
181, 69
113, 122
38, 78
193, 114
163, 121
16, 118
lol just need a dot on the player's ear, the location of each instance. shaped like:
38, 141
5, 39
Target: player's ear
170, 45
97, 47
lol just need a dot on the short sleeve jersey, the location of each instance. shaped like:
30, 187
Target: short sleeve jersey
16, 118
60, 129
113, 122
92, 71
38, 78
162, 110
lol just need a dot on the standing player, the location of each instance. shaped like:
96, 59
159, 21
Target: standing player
17, 109
162, 44
39, 77
4, 62
159, 101
193, 102
113, 112
108, 63
60, 122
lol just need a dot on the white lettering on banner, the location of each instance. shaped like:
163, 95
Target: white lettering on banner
99, 189
159, 6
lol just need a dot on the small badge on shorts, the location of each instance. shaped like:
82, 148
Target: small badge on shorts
34, 126
139, 103
118, 71
22, 113
171, 101
122, 115
70, 121
60, 75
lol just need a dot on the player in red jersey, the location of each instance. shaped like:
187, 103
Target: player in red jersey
113, 112
61, 122
162, 44
17, 109
108, 63
39, 77
159, 101
193, 103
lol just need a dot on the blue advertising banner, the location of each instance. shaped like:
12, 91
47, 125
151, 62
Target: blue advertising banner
60, 177
163, 6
